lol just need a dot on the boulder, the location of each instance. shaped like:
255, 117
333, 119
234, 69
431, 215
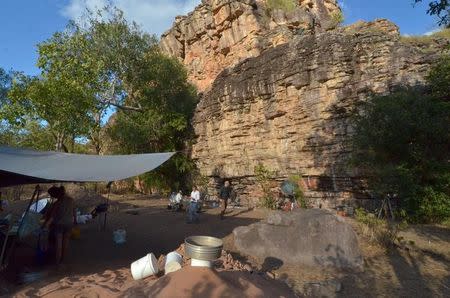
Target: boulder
312, 237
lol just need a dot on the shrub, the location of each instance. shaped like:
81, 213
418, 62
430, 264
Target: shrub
269, 202
401, 144
434, 206
286, 5
337, 18
439, 77
379, 231
263, 177
299, 196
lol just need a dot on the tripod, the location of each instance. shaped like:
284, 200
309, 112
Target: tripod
386, 206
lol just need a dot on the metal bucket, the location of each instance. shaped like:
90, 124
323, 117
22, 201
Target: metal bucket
203, 248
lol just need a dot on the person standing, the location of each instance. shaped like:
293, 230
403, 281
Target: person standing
224, 195
194, 205
195, 195
61, 219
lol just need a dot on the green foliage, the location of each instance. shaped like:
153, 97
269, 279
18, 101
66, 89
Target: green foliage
264, 176
337, 18
5, 84
62, 108
401, 144
434, 205
104, 60
6, 137
286, 5
299, 196
379, 231
439, 77
166, 102
107, 63
441, 9
269, 202
199, 180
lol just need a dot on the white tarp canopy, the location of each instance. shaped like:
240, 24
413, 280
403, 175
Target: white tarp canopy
24, 166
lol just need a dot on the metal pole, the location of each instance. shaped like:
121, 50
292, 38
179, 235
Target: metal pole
107, 203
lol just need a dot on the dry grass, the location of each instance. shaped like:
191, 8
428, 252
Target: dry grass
444, 33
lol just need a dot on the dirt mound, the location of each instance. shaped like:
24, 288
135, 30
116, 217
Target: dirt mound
228, 278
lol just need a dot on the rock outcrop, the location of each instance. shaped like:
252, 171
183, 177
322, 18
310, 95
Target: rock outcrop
220, 33
289, 107
311, 237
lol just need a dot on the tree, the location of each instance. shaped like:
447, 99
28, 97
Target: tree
57, 104
441, 9
109, 64
402, 143
7, 137
5, 84
105, 57
166, 101
439, 78
85, 70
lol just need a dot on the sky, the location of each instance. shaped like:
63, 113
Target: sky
25, 23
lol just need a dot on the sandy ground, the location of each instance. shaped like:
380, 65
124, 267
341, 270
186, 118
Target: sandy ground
96, 267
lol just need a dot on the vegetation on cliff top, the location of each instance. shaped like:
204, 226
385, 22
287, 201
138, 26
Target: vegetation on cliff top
444, 33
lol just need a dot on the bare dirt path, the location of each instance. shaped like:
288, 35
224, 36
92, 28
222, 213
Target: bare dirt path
97, 267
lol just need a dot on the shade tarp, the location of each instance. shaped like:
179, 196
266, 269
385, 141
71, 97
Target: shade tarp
24, 166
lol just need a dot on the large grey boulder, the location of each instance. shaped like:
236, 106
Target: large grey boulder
309, 237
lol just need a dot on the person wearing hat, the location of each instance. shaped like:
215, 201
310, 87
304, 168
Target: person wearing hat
61, 219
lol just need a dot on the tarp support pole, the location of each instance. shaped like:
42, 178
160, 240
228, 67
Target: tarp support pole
107, 203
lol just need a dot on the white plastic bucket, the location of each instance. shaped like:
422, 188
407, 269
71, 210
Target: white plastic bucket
120, 236
201, 263
173, 262
144, 267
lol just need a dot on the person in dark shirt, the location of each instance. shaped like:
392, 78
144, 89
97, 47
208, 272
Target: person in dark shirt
224, 195
61, 219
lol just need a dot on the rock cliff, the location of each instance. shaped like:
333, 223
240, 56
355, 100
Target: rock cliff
220, 33
289, 107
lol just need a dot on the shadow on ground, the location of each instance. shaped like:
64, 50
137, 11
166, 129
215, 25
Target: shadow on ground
151, 229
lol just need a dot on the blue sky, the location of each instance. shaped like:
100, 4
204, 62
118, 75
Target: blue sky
24, 23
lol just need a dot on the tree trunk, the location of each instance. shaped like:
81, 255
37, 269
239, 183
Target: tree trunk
59, 142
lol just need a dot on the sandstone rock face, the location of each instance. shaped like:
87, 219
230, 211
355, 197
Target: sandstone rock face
289, 108
220, 33
313, 237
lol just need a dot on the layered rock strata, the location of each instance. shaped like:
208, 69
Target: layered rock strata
289, 108
220, 33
